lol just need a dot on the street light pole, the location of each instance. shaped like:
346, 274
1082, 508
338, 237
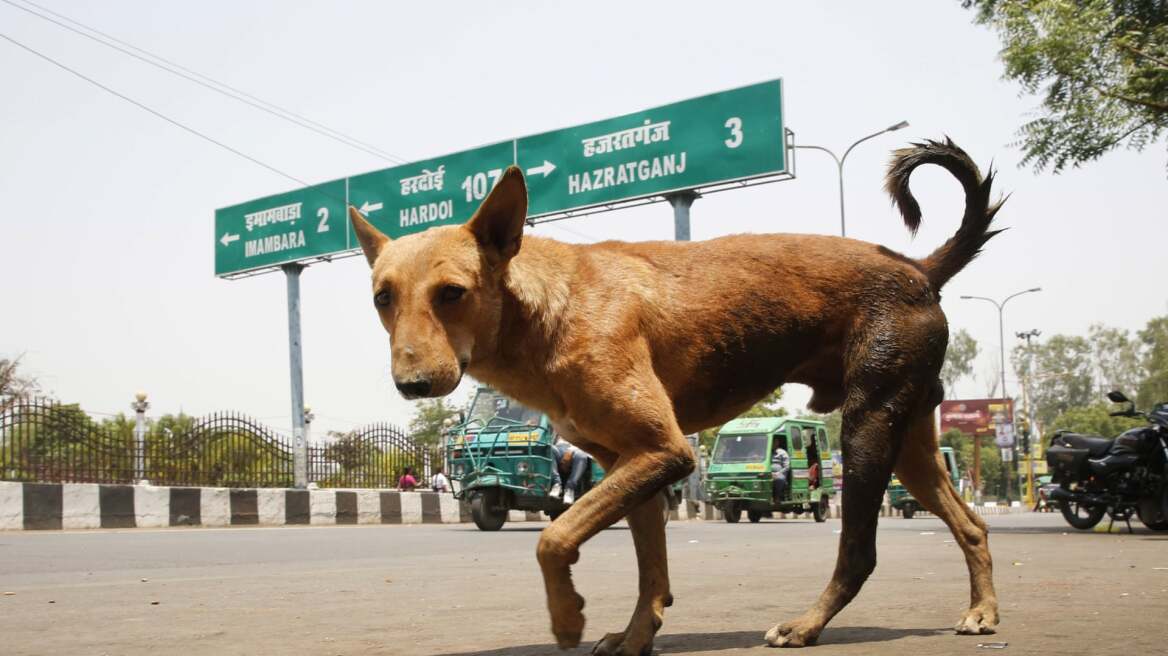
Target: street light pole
839, 163
1001, 306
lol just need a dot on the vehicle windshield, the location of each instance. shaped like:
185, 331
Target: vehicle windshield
489, 404
741, 448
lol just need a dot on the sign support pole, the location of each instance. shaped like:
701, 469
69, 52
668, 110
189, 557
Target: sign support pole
681, 202
296, 365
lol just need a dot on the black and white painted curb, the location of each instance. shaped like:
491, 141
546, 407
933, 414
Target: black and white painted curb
49, 506
40, 506
56, 506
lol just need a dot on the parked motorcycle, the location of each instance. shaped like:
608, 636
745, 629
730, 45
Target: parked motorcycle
1119, 477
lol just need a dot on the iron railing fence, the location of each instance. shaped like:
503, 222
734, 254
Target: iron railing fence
43, 440
47, 441
223, 449
373, 456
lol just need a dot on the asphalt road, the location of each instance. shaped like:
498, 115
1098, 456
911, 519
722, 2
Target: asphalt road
451, 590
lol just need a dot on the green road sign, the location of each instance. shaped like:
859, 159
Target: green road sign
714, 139
440, 191
704, 143
297, 225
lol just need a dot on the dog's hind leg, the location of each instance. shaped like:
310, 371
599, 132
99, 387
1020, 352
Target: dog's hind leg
922, 470
890, 370
647, 524
869, 436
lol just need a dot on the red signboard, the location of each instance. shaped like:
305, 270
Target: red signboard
976, 416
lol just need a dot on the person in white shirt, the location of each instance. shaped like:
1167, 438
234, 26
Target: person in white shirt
780, 467
438, 481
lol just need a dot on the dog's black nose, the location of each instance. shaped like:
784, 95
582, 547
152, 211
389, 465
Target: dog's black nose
414, 388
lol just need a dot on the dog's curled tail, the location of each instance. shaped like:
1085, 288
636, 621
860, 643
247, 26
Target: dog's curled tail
955, 254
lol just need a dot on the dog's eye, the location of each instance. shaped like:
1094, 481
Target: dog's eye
451, 293
382, 299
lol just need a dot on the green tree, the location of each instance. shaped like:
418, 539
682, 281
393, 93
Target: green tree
959, 358
349, 451
429, 416
1062, 375
1116, 359
15, 386
1154, 386
1092, 419
1101, 67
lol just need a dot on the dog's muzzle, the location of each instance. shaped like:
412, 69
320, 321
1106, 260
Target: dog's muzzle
413, 389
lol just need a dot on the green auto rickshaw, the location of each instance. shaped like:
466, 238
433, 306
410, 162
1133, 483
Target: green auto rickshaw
739, 474
899, 497
501, 458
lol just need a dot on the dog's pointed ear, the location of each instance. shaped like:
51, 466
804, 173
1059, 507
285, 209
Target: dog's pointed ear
498, 223
372, 240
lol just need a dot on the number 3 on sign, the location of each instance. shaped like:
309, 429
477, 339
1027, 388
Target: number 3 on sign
734, 124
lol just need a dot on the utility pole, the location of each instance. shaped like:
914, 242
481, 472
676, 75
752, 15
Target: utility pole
681, 202
296, 367
839, 164
1001, 307
1028, 427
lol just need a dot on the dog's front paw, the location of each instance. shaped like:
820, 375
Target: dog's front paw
568, 622
978, 621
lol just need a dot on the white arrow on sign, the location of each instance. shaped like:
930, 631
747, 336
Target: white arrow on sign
228, 238
545, 168
368, 207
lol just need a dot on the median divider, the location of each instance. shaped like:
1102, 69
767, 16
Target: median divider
72, 506
57, 506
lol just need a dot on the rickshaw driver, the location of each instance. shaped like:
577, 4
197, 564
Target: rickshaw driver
780, 468
573, 461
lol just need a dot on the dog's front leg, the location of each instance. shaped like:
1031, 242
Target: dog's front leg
630, 486
647, 523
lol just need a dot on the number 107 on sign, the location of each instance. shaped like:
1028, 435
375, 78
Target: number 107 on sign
476, 186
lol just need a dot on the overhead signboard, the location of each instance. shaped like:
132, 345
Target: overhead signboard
713, 139
439, 191
297, 225
718, 139
976, 416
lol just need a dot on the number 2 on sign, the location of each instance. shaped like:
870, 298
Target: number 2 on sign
323, 214
476, 186
734, 124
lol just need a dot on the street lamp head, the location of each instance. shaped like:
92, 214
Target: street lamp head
966, 297
140, 396
898, 126
1036, 289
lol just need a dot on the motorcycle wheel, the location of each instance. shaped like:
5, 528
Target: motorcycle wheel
1080, 516
1153, 511
909, 510
755, 516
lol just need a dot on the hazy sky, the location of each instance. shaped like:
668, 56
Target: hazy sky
106, 234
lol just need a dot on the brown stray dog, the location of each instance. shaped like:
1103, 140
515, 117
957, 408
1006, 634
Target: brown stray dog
628, 346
